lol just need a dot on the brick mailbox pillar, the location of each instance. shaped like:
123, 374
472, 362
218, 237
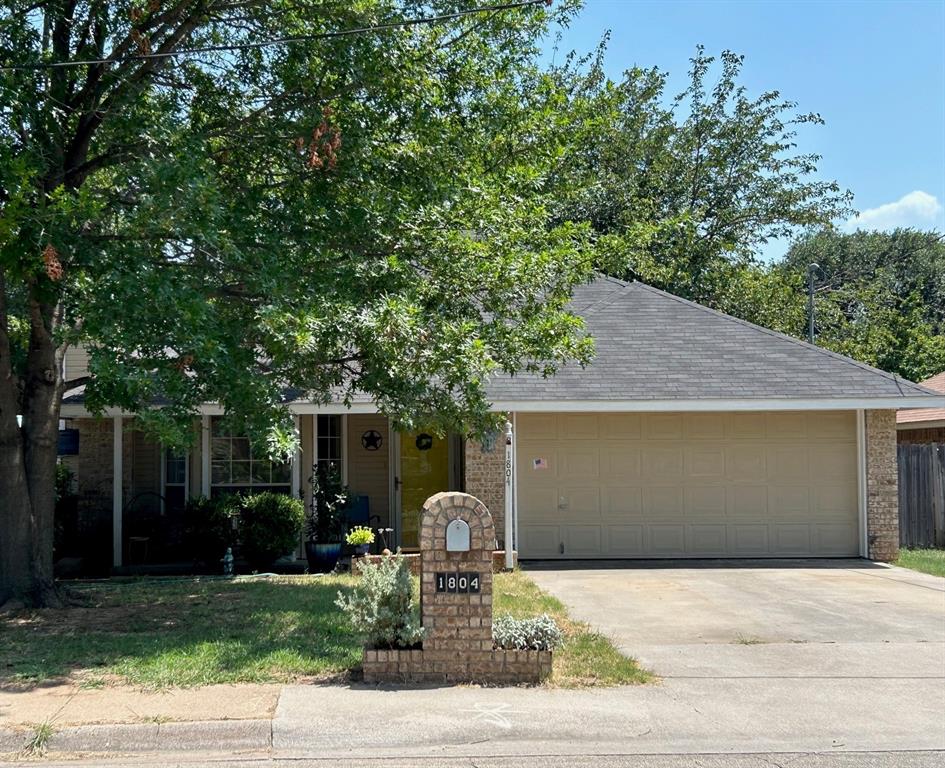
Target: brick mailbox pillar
457, 539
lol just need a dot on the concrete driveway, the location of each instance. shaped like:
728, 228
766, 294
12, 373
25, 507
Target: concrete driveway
751, 619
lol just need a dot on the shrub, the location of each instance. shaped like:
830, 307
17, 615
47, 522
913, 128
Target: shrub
270, 525
540, 633
360, 535
381, 607
330, 496
209, 527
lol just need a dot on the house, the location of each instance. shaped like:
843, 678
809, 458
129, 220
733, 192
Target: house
692, 434
923, 425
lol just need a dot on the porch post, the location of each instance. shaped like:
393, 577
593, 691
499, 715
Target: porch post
117, 493
297, 460
205, 456
509, 525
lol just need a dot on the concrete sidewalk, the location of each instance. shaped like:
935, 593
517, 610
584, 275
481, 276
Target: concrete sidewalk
678, 716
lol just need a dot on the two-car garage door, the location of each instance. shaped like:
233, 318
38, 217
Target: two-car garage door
772, 484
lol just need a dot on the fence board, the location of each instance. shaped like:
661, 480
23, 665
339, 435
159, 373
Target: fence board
921, 494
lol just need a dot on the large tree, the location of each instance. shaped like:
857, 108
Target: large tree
332, 213
880, 296
713, 172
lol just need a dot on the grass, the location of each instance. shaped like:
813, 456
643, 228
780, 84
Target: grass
159, 633
185, 632
925, 560
38, 741
587, 657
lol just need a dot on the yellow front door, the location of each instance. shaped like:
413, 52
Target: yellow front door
424, 470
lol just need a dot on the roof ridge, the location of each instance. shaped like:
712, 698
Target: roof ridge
897, 380
609, 298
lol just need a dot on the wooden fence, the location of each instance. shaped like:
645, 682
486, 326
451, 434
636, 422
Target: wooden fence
922, 495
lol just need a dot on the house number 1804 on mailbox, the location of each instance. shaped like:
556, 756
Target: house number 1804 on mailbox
458, 582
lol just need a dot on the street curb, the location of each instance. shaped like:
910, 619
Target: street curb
200, 736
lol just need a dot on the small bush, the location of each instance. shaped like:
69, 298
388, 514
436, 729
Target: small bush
209, 527
381, 607
270, 525
540, 633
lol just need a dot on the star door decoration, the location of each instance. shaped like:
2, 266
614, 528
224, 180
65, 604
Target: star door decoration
371, 440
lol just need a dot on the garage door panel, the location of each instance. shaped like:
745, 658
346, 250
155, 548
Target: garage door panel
748, 501
578, 426
662, 426
709, 502
789, 462
748, 426
787, 425
706, 540
624, 540
540, 540
745, 464
538, 505
662, 502
621, 462
667, 540
620, 426
789, 501
791, 539
581, 540
619, 502
581, 461
703, 426
705, 463
688, 485
748, 540
663, 463
834, 539
830, 462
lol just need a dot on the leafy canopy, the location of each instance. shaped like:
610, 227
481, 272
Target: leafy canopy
357, 214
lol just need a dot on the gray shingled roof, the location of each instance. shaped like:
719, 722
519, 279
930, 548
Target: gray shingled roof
651, 345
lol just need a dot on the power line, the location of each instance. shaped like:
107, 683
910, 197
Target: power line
283, 40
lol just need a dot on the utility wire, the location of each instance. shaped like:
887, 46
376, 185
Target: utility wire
283, 40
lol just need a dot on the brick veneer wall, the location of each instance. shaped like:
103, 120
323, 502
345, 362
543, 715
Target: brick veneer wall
882, 485
94, 473
485, 479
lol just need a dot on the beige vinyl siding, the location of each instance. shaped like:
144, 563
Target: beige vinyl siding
75, 362
753, 484
369, 471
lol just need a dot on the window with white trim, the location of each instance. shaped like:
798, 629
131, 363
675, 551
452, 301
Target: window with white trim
174, 479
328, 440
235, 467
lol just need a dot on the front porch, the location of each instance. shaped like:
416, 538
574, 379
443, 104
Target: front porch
133, 491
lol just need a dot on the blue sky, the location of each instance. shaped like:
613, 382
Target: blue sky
875, 71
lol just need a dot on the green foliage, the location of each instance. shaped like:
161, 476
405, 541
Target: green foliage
330, 497
65, 482
381, 607
360, 535
539, 633
210, 527
685, 189
880, 297
361, 213
269, 527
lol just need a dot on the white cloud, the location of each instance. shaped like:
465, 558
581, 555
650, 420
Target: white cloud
917, 209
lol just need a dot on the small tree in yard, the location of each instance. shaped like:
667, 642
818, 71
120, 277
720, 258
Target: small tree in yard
337, 213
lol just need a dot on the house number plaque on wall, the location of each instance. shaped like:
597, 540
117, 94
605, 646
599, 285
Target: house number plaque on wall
458, 582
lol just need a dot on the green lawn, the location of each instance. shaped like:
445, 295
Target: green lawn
158, 633
924, 560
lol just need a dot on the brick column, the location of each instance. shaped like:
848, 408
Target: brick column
485, 479
882, 485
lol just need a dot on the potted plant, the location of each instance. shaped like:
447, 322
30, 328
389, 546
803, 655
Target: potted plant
325, 525
361, 538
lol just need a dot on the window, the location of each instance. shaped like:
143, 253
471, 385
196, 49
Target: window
329, 441
175, 481
235, 467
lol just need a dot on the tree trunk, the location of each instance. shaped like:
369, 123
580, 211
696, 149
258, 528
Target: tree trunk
28, 461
